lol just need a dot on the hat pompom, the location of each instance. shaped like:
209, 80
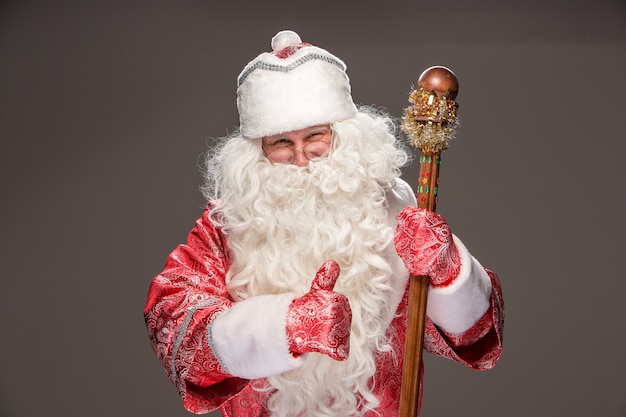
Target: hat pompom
285, 38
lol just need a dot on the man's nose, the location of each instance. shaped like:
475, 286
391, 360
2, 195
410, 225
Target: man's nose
298, 157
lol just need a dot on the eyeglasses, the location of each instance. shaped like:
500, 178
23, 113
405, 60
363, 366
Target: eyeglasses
285, 153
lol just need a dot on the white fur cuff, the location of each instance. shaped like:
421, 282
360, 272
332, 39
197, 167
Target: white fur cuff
250, 338
457, 307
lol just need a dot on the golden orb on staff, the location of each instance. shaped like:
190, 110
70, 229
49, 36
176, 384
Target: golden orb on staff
431, 120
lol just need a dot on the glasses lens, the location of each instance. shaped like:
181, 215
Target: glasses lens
281, 156
315, 150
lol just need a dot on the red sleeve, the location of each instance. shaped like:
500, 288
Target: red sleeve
480, 346
182, 302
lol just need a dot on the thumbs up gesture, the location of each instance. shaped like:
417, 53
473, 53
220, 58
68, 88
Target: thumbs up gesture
319, 321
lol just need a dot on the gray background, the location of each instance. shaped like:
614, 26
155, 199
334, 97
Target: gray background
105, 108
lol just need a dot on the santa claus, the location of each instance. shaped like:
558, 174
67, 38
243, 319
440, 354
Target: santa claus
289, 297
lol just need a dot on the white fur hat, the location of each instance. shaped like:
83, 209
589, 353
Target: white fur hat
296, 86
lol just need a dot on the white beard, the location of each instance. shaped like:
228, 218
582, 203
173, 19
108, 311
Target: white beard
283, 222
304, 217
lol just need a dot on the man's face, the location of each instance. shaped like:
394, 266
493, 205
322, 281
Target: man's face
298, 147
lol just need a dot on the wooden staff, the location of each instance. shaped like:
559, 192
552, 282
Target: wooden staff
430, 123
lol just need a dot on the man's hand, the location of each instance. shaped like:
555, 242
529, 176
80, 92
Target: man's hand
424, 242
319, 321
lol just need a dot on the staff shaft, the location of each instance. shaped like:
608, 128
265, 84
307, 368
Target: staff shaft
412, 370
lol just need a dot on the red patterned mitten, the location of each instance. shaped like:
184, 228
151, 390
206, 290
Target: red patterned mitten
424, 242
319, 321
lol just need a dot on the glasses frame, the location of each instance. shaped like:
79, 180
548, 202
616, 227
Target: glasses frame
294, 150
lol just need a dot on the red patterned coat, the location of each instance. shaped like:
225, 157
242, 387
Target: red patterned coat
190, 293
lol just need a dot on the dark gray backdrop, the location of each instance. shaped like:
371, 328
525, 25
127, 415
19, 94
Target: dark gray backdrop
105, 108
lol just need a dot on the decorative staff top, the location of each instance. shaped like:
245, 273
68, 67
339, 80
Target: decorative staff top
431, 120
